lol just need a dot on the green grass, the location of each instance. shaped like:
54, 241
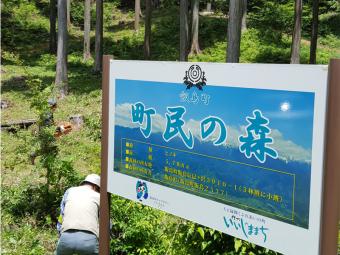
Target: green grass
25, 237
25, 56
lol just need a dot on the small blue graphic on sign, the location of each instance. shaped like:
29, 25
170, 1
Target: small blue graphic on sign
142, 190
254, 142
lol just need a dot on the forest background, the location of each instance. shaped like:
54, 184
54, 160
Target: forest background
39, 163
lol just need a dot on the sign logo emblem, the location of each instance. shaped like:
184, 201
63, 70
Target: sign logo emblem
195, 77
142, 190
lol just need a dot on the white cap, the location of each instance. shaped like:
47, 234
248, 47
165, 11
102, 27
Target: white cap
93, 178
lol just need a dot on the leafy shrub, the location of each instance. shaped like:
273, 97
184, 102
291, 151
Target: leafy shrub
137, 229
93, 126
57, 172
25, 238
329, 24
203, 240
22, 23
77, 13
272, 19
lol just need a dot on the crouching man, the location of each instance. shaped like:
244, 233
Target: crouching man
78, 223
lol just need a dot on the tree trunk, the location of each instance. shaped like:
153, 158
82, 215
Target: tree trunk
195, 48
61, 72
137, 14
53, 31
87, 29
147, 34
68, 14
99, 36
296, 40
234, 31
208, 6
184, 31
314, 36
244, 15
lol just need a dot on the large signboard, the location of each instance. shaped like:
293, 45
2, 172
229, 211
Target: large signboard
235, 147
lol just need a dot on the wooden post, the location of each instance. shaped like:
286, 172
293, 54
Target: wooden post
104, 211
331, 194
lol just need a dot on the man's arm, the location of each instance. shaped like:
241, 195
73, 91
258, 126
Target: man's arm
62, 208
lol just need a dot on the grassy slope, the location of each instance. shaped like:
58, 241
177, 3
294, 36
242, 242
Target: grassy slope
26, 56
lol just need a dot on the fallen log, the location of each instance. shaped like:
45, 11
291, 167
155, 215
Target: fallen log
12, 125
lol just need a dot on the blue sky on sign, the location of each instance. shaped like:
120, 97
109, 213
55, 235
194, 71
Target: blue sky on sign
290, 113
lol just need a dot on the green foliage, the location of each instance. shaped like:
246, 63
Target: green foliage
203, 240
329, 23
18, 18
327, 6
93, 126
220, 6
25, 237
58, 172
77, 13
330, 41
272, 19
31, 193
137, 229
39, 199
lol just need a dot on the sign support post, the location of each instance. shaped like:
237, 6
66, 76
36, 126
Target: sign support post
104, 212
331, 194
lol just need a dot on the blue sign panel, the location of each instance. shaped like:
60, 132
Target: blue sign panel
244, 147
